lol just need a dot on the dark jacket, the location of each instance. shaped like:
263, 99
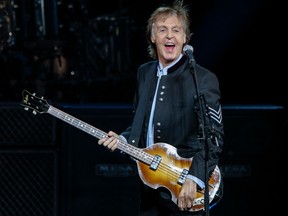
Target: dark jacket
177, 114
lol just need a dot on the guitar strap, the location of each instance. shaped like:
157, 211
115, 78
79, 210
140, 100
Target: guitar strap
137, 124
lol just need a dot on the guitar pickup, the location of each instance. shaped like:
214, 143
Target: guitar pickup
182, 177
155, 162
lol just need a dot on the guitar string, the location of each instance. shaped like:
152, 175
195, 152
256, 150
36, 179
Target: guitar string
79, 124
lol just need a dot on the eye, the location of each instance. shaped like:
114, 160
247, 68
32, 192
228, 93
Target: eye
176, 30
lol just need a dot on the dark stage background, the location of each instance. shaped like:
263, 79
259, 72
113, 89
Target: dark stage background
82, 56
84, 51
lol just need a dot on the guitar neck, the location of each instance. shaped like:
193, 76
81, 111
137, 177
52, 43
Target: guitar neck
99, 134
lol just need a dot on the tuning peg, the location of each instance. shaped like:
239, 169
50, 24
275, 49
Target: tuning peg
34, 112
26, 108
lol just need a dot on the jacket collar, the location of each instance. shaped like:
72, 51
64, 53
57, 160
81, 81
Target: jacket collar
177, 65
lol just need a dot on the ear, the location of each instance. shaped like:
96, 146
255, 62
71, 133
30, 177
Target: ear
152, 39
184, 39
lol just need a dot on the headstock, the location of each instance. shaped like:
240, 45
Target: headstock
35, 103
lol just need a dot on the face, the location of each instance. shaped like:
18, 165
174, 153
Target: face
169, 37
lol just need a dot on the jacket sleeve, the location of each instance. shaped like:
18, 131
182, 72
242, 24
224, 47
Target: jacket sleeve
211, 130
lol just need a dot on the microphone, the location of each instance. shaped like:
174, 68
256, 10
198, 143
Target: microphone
188, 50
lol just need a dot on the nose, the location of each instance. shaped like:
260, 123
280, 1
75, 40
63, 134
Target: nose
169, 34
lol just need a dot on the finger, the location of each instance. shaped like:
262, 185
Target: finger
116, 145
189, 202
101, 141
189, 205
181, 204
113, 144
108, 141
181, 207
112, 134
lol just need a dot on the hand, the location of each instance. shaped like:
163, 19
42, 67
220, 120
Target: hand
111, 141
187, 195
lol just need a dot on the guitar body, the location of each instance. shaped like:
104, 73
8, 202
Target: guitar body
158, 165
169, 172
161, 177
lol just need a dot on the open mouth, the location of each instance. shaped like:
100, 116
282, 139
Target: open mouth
169, 47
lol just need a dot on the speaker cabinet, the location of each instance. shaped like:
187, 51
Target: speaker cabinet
28, 163
254, 140
28, 183
20, 128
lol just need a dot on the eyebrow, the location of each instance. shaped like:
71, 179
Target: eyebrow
164, 26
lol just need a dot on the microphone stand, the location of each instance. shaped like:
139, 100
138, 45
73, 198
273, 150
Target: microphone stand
207, 132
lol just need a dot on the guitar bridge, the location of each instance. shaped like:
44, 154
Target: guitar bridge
155, 162
182, 177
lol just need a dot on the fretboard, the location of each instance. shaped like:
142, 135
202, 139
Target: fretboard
131, 150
